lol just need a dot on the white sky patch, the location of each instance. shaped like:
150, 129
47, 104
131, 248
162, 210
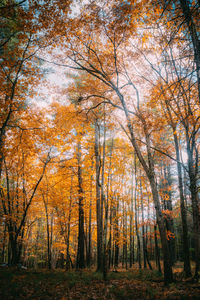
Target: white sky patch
184, 156
50, 88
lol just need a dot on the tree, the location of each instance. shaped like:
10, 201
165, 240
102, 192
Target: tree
94, 65
18, 190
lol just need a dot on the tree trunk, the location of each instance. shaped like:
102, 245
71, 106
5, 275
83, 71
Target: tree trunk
143, 236
165, 184
80, 263
48, 232
68, 258
168, 276
144, 239
90, 224
157, 250
193, 169
186, 253
136, 219
149, 170
185, 6
116, 234
98, 200
131, 258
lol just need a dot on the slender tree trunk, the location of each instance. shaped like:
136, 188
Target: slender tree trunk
48, 232
168, 276
90, 224
149, 237
80, 263
98, 200
136, 219
150, 172
131, 258
157, 250
110, 243
116, 234
126, 236
104, 202
166, 183
68, 258
193, 169
3, 245
144, 239
143, 234
187, 267
108, 251
105, 262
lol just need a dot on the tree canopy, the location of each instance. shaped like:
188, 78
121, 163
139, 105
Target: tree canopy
99, 135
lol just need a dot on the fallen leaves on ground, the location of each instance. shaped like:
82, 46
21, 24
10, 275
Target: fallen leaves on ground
89, 286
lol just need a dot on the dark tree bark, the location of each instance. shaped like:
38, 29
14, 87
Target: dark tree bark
144, 239
116, 233
98, 200
136, 219
131, 258
193, 32
68, 257
80, 263
193, 166
157, 250
187, 267
143, 234
89, 248
165, 184
150, 172
16, 231
45, 201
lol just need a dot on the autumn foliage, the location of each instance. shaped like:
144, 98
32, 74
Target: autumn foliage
99, 135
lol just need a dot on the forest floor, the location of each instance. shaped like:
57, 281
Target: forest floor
58, 284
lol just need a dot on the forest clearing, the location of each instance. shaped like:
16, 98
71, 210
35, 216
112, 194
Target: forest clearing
99, 149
